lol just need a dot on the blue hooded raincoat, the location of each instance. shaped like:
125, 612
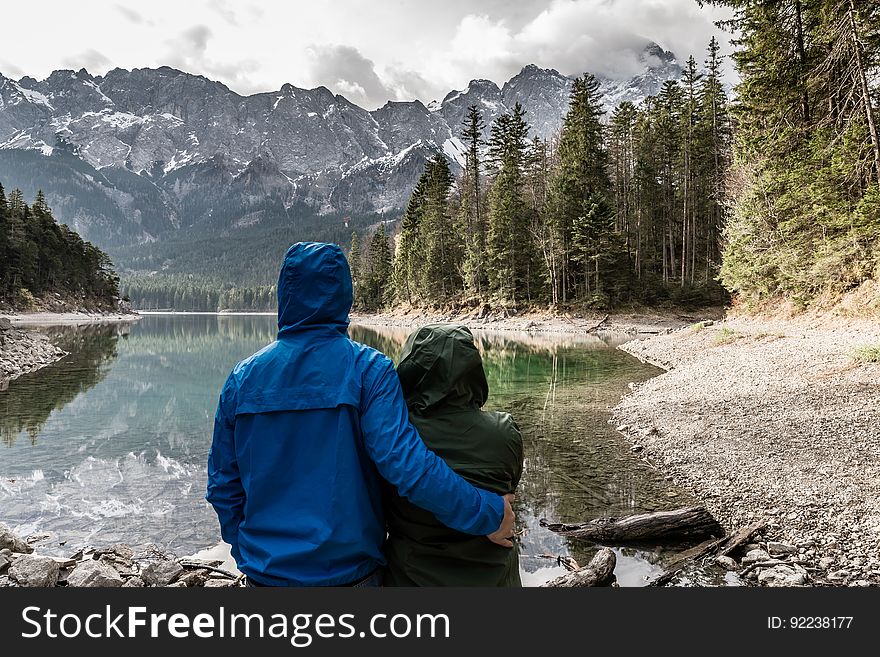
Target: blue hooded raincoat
306, 429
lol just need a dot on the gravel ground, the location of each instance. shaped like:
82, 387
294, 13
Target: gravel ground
773, 419
487, 318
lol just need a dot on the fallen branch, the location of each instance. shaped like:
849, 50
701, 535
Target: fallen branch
596, 327
599, 572
692, 522
721, 547
203, 566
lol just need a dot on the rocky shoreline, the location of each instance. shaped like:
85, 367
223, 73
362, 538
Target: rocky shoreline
487, 318
114, 566
775, 421
22, 352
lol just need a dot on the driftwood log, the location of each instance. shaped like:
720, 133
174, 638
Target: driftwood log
693, 522
599, 572
721, 547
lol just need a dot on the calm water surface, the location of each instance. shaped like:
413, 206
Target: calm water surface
110, 444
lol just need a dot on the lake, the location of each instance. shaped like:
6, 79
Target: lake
110, 443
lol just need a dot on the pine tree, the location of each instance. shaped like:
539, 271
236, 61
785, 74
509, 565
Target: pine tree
439, 243
407, 262
580, 179
509, 245
379, 271
354, 263
5, 253
715, 143
621, 148
471, 224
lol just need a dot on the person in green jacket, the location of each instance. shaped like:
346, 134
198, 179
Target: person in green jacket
444, 384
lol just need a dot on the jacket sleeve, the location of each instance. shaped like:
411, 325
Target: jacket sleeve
225, 492
419, 475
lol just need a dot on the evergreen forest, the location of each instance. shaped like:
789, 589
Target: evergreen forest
39, 258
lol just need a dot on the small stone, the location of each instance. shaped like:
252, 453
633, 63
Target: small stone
219, 583
133, 582
5, 324
4, 563
34, 571
94, 574
622, 428
161, 573
726, 562
11, 542
826, 562
636, 448
781, 576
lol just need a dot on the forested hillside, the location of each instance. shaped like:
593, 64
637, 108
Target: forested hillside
41, 260
805, 184
627, 208
204, 270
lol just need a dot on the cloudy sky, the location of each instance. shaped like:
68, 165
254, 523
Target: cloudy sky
370, 51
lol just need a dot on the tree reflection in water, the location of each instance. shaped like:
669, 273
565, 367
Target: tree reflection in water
29, 400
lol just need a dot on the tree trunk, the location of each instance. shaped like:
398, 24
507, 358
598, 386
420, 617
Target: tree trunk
599, 572
802, 60
865, 89
693, 522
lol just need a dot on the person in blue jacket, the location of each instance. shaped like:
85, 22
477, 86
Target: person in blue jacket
307, 428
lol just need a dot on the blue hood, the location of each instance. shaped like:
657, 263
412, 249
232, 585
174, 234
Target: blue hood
314, 288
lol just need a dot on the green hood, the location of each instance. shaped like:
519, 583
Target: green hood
440, 366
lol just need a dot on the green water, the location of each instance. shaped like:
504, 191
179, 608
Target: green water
110, 443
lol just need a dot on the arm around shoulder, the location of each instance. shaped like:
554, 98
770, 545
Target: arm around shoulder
404, 461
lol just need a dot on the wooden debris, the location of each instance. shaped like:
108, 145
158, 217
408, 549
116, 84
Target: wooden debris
599, 572
720, 547
693, 522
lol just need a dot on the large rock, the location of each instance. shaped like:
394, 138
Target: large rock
194, 578
94, 574
755, 556
782, 575
5, 324
726, 562
776, 548
161, 573
10, 541
119, 550
34, 571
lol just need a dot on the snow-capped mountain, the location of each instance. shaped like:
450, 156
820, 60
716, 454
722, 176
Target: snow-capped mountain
131, 155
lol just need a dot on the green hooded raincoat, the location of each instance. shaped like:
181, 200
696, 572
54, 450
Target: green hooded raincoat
441, 373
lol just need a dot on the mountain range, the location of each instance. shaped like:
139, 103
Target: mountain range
135, 157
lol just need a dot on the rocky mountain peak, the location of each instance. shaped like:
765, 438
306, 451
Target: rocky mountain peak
175, 147
655, 56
